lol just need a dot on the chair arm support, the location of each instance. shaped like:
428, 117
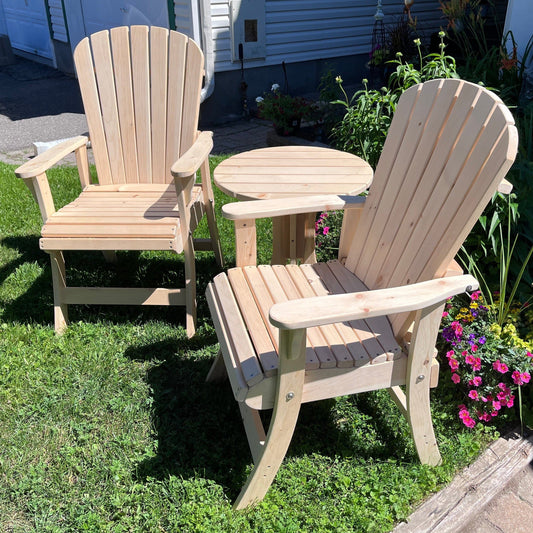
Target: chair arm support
290, 206
40, 164
193, 158
322, 310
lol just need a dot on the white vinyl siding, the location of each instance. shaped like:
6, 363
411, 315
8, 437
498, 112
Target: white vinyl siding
303, 30
187, 18
59, 28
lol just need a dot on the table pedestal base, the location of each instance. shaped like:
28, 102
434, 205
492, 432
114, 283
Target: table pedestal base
293, 239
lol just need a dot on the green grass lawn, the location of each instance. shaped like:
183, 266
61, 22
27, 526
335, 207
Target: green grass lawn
111, 426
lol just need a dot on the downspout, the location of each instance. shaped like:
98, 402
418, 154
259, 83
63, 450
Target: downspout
207, 41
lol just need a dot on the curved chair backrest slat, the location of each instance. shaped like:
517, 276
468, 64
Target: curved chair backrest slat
141, 92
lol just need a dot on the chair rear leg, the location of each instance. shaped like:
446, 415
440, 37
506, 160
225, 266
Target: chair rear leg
255, 432
418, 384
209, 202
59, 281
218, 371
110, 256
213, 232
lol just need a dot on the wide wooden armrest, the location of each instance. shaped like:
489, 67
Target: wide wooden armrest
322, 310
290, 206
40, 164
193, 158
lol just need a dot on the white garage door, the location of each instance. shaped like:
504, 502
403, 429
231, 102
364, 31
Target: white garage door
27, 26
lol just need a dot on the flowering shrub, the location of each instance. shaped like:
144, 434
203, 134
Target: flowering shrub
286, 112
485, 360
327, 234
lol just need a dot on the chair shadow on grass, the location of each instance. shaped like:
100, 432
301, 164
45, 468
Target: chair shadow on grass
35, 304
199, 431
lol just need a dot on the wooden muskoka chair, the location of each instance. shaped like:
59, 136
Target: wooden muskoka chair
299, 333
141, 92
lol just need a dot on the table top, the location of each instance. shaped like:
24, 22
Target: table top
283, 171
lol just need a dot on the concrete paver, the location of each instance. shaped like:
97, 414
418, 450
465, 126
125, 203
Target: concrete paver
509, 513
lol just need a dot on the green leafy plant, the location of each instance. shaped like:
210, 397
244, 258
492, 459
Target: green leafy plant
497, 232
363, 129
369, 112
285, 111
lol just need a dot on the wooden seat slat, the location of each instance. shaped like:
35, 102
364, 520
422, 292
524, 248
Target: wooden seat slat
115, 219
380, 325
350, 332
241, 348
111, 243
338, 349
321, 280
260, 336
96, 230
316, 350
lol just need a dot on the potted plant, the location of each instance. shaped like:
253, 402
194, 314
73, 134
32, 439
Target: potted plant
286, 112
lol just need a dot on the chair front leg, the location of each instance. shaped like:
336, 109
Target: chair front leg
425, 332
291, 373
183, 191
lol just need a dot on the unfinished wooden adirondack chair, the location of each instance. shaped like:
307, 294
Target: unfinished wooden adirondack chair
141, 92
291, 334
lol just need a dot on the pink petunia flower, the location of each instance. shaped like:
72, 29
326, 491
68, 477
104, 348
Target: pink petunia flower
325, 231
475, 382
470, 359
450, 353
454, 364
445, 314
473, 395
477, 364
510, 401
496, 405
500, 367
475, 295
457, 328
520, 378
485, 417
456, 378
469, 422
